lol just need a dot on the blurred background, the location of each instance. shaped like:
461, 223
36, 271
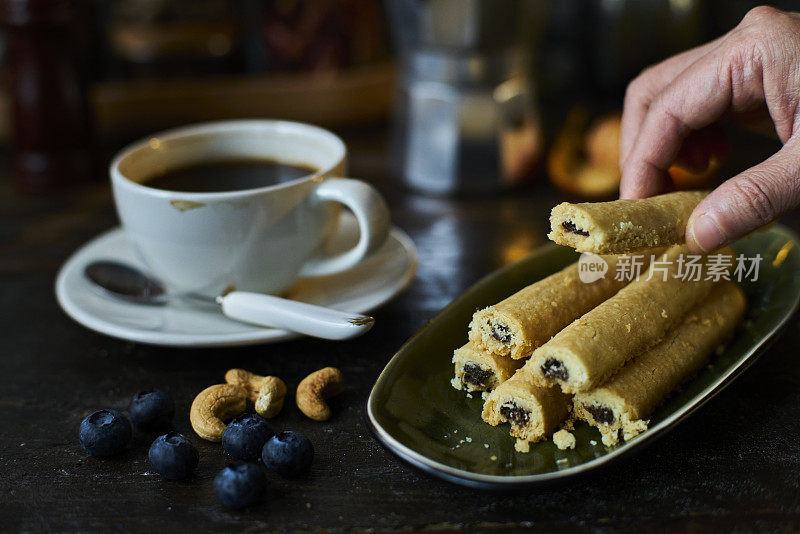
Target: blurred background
469, 96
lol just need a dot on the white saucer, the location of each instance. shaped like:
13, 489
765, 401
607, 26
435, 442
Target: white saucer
361, 289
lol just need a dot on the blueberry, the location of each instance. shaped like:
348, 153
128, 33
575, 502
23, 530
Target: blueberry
105, 433
244, 437
288, 453
240, 485
152, 410
173, 456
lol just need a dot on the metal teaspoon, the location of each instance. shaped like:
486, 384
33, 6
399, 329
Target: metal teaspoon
128, 283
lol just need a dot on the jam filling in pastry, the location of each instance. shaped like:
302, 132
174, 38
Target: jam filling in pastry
533, 412
477, 370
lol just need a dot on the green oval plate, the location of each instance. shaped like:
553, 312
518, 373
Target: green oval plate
416, 412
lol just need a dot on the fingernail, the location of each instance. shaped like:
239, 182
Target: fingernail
706, 233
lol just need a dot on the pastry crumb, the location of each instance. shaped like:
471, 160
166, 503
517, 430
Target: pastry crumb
468, 439
469, 395
633, 428
485, 445
522, 446
592, 442
564, 439
610, 438
493, 458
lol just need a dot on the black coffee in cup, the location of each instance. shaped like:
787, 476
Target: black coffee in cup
228, 175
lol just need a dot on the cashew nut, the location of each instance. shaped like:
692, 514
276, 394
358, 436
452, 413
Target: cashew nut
212, 406
267, 392
249, 381
270, 397
315, 388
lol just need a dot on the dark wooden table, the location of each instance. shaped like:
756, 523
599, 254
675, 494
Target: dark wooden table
733, 464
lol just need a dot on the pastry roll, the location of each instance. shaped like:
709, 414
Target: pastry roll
624, 226
528, 318
534, 412
623, 402
480, 370
595, 346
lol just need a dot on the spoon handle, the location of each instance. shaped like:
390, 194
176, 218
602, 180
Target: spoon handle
315, 321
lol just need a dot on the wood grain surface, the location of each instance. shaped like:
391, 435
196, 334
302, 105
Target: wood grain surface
733, 465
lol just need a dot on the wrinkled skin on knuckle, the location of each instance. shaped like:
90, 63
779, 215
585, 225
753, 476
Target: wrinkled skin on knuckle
640, 90
768, 20
761, 62
780, 183
635, 91
740, 61
670, 109
761, 16
749, 198
767, 36
781, 76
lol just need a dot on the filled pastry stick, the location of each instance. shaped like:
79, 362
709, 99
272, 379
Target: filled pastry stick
534, 412
621, 405
477, 370
624, 226
595, 346
528, 318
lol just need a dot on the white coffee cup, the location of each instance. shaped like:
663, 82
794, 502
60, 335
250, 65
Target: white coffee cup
258, 240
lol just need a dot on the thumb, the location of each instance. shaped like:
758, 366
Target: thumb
745, 202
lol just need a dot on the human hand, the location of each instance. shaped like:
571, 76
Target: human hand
670, 115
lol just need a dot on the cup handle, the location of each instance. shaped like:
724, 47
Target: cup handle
371, 213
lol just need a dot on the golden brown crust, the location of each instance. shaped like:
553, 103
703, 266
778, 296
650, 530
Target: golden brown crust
640, 386
592, 348
624, 226
530, 317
